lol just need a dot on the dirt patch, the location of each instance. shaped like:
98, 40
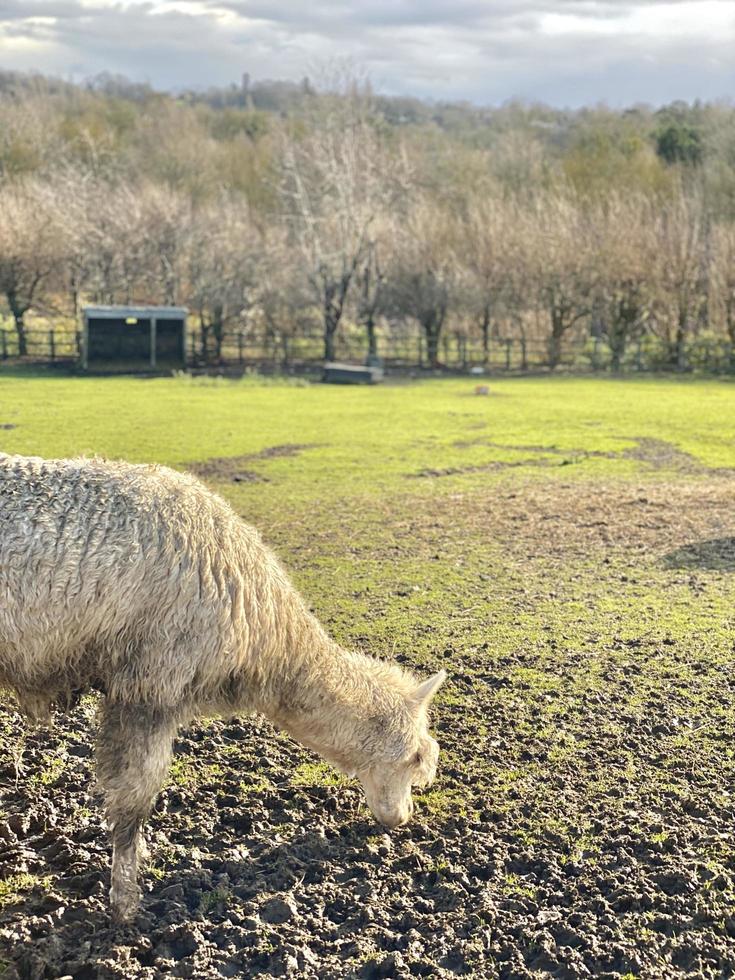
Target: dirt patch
581, 825
290, 449
227, 469
671, 520
251, 875
717, 554
493, 466
659, 454
234, 469
655, 453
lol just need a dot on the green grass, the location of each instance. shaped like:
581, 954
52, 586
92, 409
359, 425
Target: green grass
316, 774
219, 897
186, 772
51, 771
367, 441
554, 575
13, 887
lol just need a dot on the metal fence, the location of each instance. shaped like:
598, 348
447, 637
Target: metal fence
407, 351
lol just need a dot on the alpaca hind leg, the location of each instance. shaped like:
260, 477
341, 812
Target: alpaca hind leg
133, 755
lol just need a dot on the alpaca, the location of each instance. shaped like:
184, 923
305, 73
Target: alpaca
139, 582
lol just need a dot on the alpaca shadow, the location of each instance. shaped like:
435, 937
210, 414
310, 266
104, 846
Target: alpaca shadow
717, 554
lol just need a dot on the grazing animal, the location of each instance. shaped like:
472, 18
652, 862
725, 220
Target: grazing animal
139, 582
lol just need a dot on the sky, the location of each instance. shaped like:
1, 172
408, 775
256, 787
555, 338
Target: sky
562, 52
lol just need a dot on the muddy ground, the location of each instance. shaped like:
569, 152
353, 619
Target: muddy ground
583, 824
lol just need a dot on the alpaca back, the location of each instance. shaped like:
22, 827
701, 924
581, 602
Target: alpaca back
136, 578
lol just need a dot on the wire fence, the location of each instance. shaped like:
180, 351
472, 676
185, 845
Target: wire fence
408, 351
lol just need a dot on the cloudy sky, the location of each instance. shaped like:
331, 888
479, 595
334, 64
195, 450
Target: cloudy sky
565, 52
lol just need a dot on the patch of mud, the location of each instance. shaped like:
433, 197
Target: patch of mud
659, 454
289, 449
251, 874
669, 521
230, 470
592, 836
493, 465
233, 469
717, 554
655, 453
7, 426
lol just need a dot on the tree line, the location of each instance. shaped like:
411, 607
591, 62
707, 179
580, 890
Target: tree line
342, 211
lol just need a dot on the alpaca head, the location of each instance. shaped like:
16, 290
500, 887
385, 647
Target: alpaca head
403, 755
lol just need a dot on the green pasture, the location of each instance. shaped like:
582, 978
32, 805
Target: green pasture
365, 441
564, 547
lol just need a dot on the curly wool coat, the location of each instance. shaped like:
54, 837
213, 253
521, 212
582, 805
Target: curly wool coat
140, 582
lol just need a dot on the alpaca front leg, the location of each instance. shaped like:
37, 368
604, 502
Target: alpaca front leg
133, 756
124, 889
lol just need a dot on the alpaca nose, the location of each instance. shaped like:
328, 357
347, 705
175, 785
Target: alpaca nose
399, 818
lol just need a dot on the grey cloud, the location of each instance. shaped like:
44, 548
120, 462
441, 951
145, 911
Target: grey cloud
485, 50
19, 10
451, 13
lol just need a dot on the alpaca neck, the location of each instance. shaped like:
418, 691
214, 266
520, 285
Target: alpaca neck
328, 698
331, 703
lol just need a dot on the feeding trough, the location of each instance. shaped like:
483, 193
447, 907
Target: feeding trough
352, 374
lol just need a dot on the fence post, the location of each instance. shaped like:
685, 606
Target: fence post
52, 345
638, 357
4, 344
239, 348
595, 356
78, 341
421, 350
508, 346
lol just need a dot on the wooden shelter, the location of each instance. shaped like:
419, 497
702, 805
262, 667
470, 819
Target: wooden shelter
134, 337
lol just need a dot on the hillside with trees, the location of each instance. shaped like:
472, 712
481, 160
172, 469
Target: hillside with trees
328, 212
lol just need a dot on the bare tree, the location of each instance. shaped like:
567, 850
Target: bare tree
561, 269
625, 254
283, 300
723, 277
488, 252
221, 270
335, 183
371, 293
30, 141
680, 275
166, 219
424, 272
30, 249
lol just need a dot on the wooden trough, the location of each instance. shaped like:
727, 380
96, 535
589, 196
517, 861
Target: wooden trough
351, 374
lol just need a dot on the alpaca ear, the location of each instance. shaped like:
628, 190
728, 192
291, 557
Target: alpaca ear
427, 689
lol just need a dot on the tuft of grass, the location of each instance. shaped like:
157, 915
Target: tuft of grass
217, 898
187, 772
513, 886
12, 888
317, 774
255, 788
50, 773
443, 803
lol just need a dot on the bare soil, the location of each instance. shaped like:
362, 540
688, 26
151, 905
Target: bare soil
233, 468
583, 823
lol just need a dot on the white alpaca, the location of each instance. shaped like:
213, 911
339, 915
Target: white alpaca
141, 583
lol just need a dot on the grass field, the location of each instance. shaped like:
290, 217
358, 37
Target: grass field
565, 548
